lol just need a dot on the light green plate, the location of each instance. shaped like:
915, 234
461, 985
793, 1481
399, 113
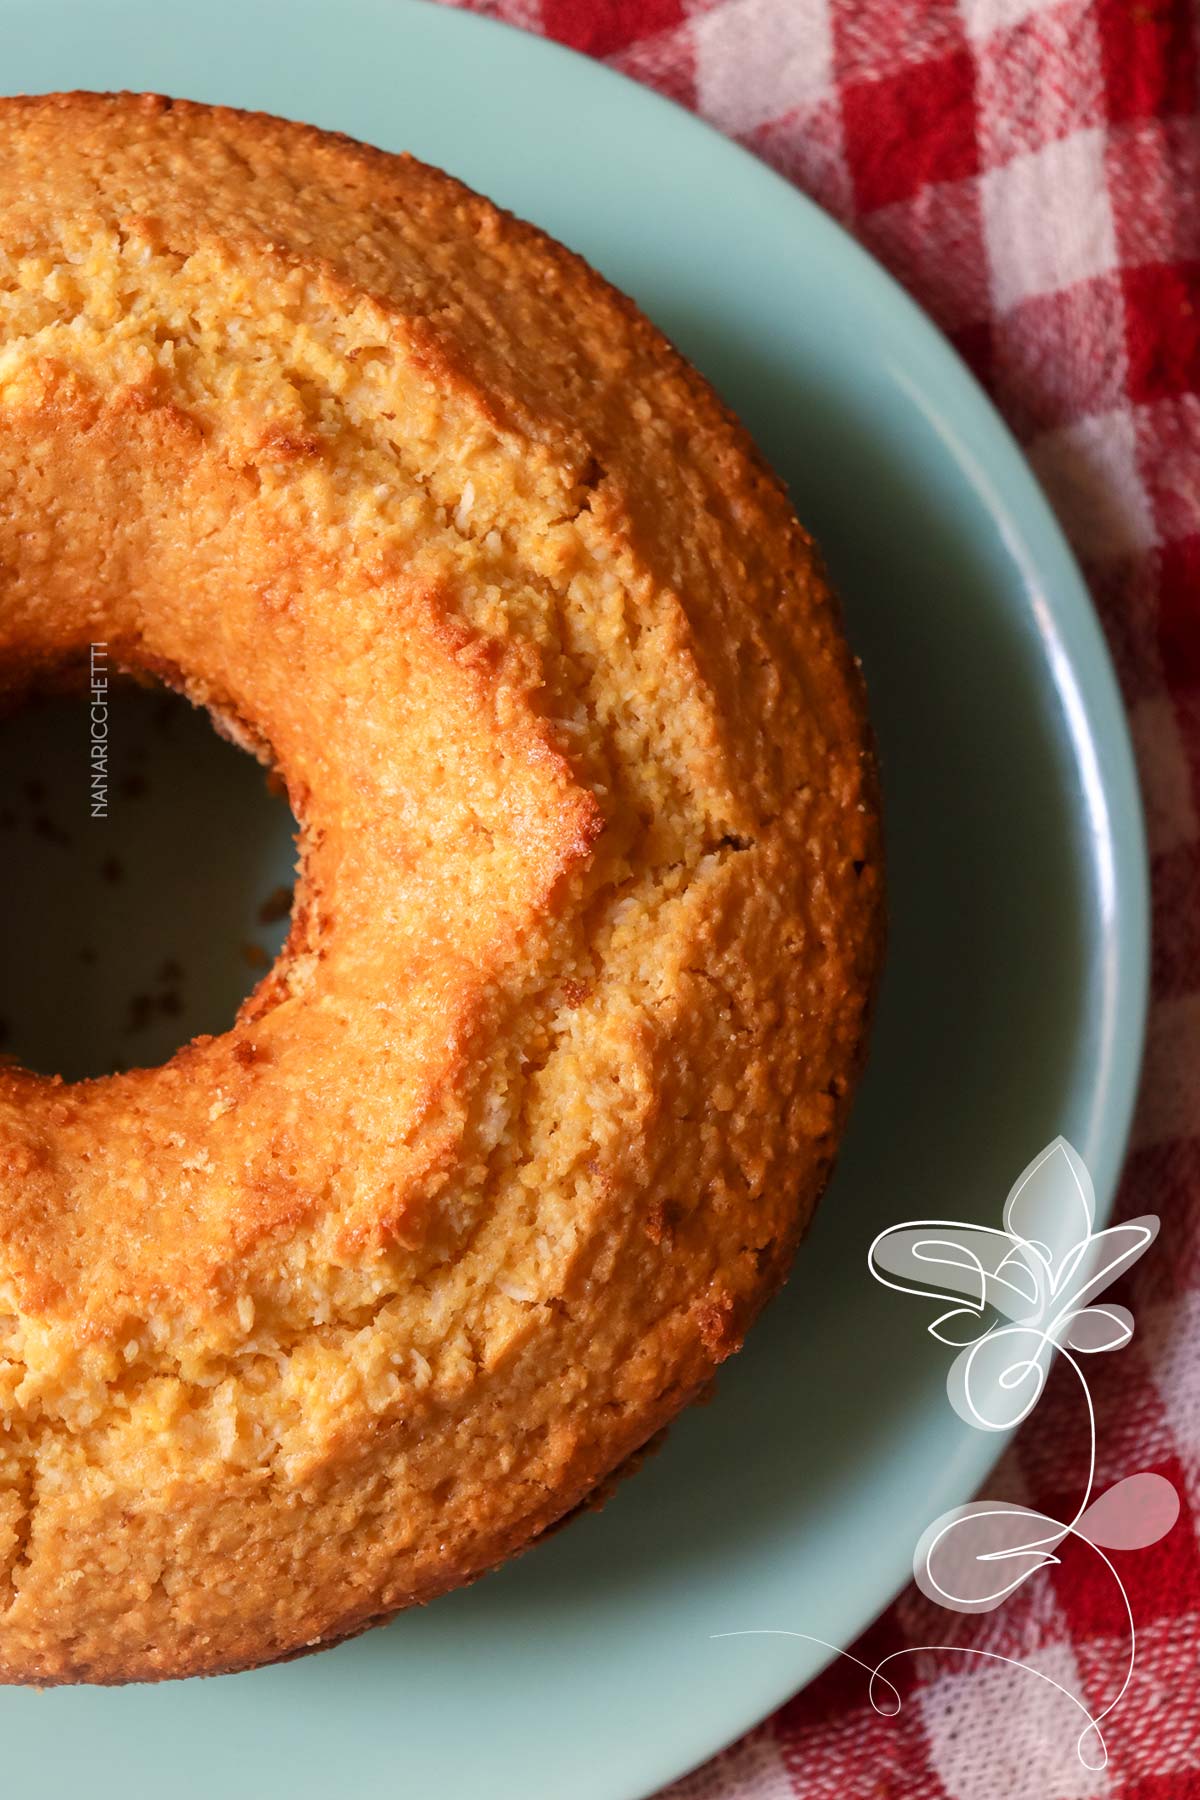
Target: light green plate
1012, 1009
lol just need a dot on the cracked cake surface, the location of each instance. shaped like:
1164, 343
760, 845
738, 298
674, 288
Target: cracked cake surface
339, 1309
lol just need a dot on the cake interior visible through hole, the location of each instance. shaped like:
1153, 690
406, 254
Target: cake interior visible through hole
146, 889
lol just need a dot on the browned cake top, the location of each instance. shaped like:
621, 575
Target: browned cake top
333, 1311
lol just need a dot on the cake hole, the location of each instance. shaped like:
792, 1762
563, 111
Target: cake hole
129, 927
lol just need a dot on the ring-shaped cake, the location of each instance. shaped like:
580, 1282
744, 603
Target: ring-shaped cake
339, 1309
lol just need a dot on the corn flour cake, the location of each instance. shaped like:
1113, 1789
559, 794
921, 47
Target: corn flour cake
336, 1311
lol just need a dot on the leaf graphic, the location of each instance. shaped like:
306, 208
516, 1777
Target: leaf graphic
936, 1257
1055, 1187
1022, 1274
1132, 1514
975, 1556
967, 1332
1092, 1267
1099, 1328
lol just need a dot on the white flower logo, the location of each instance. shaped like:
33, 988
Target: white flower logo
1039, 1302
1047, 1301
1018, 1302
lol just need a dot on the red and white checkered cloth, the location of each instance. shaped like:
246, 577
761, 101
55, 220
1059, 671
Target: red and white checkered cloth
1031, 171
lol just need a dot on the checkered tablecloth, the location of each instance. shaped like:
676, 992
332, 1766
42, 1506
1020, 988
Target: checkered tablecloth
1031, 171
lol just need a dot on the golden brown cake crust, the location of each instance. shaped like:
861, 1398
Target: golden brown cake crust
338, 1310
